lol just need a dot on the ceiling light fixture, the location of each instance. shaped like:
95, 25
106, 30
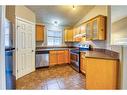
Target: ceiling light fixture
73, 7
56, 23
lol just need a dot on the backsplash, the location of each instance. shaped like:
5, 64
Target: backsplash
94, 44
42, 44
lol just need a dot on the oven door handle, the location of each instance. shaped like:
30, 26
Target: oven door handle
75, 53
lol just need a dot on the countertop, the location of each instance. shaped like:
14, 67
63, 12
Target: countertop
49, 49
95, 53
101, 54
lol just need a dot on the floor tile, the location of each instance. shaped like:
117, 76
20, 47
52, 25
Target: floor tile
61, 77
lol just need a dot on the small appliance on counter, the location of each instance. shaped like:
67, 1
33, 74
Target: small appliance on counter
75, 56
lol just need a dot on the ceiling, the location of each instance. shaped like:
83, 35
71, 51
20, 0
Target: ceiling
64, 15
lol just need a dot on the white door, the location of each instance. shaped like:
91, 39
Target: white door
25, 47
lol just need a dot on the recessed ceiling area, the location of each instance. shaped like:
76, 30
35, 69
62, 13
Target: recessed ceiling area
64, 15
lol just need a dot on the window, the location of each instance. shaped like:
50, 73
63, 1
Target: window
54, 38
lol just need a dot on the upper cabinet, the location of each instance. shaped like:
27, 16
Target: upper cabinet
68, 35
40, 33
88, 30
93, 29
76, 31
96, 28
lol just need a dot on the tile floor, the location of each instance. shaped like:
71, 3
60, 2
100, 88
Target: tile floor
61, 77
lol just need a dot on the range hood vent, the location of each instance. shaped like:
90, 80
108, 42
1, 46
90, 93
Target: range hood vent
80, 35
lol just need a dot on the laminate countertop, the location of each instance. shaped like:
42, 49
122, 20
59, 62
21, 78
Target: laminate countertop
104, 54
49, 49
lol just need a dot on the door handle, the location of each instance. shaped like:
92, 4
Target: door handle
32, 50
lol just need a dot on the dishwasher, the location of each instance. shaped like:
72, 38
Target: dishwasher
42, 59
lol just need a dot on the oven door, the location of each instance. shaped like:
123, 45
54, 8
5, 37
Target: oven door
75, 61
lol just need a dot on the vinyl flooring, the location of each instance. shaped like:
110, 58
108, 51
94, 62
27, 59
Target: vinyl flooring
61, 77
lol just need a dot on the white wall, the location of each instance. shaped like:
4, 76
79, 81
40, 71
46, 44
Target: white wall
97, 10
119, 22
25, 13
2, 49
124, 81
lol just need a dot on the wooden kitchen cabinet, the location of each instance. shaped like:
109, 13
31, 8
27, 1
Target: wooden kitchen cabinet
70, 35
39, 33
82, 30
82, 63
88, 31
66, 35
96, 28
101, 73
77, 39
99, 28
59, 57
67, 56
52, 57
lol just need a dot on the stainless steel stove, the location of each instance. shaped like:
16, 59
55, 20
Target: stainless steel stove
75, 56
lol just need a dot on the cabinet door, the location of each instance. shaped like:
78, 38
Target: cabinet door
101, 74
65, 35
78, 39
74, 33
70, 35
61, 58
66, 56
82, 64
101, 28
88, 31
98, 28
83, 31
95, 29
39, 33
83, 28
52, 58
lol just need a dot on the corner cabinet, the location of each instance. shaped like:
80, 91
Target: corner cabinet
96, 28
101, 74
40, 33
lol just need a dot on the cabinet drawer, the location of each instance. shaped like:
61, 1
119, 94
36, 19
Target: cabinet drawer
60, 52
52, 52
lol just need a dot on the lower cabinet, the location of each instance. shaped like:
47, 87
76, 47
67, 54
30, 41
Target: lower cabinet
82, 63
101, 74
59, 57
52, 58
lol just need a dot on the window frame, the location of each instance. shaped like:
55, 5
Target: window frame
60, 37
